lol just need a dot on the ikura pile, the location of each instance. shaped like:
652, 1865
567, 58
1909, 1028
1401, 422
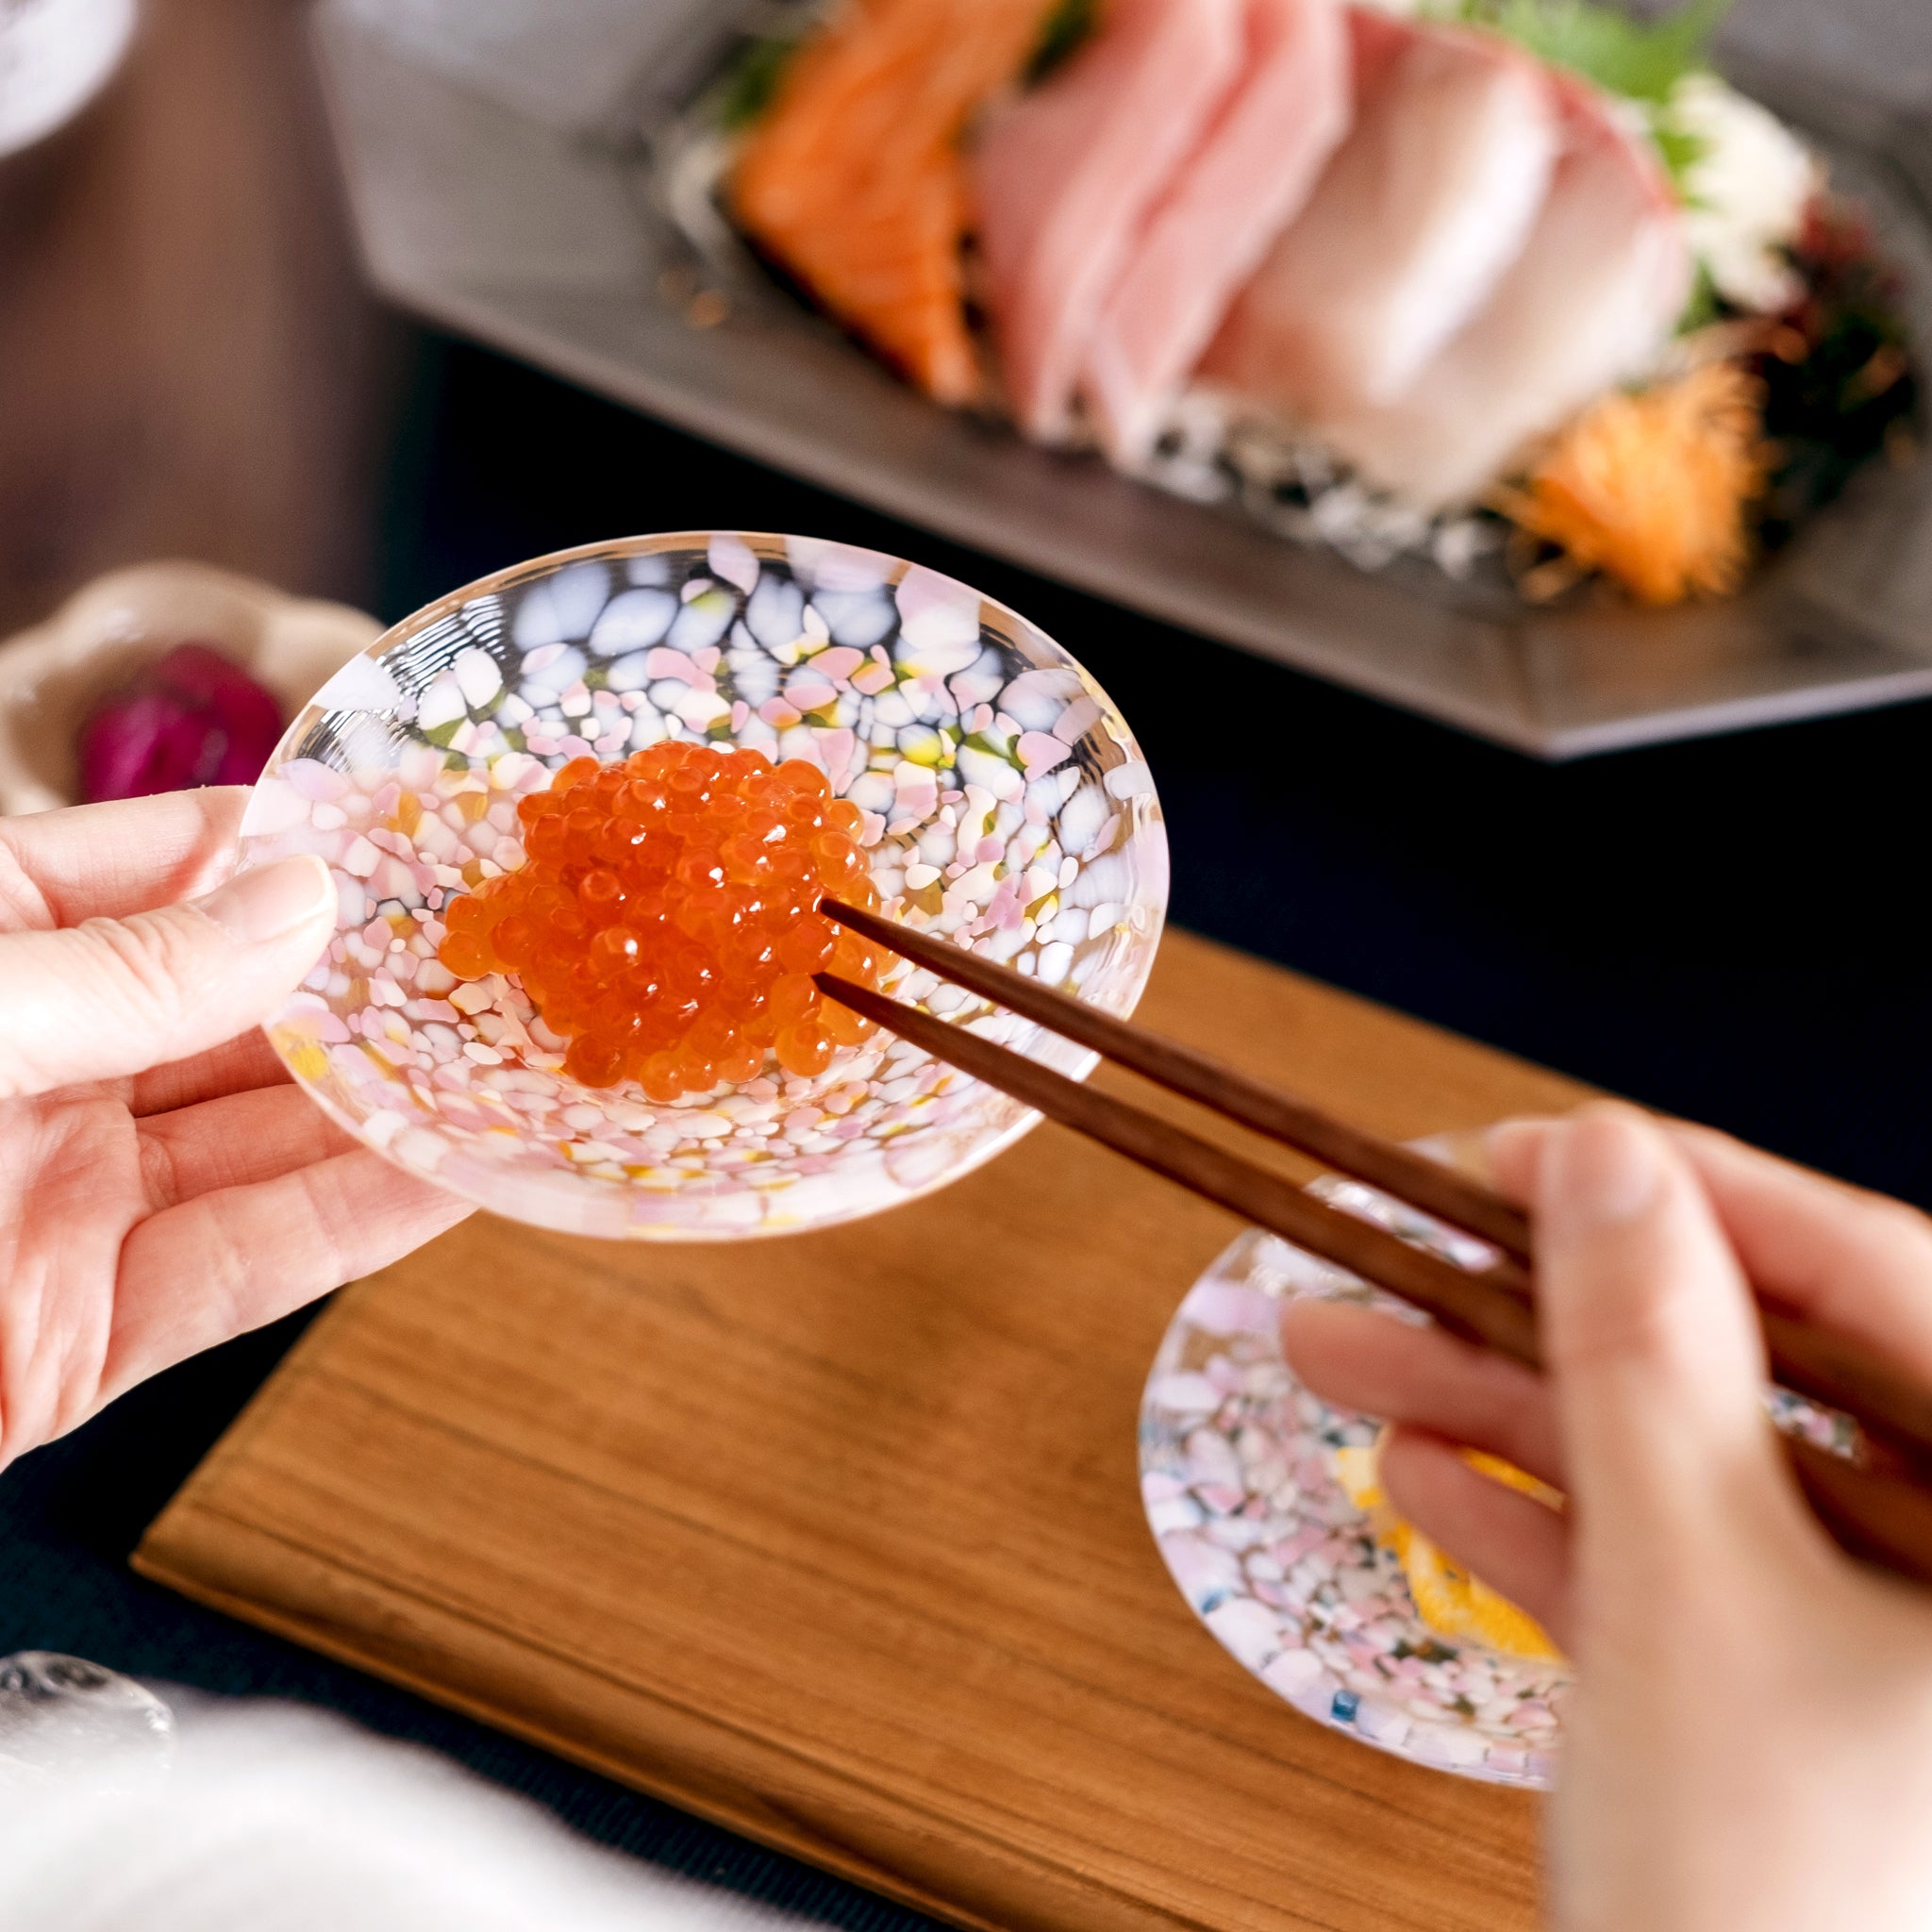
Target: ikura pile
665, 920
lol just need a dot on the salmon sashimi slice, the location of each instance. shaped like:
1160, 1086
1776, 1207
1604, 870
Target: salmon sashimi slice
1593, 300
1426, 202
1246, 180
1064, 176
854, 179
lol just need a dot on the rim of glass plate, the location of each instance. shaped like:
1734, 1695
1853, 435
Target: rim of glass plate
668, 1233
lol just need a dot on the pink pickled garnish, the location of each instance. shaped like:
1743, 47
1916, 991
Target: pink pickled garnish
191, 718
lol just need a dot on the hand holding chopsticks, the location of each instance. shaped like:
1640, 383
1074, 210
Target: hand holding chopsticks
1876, 1505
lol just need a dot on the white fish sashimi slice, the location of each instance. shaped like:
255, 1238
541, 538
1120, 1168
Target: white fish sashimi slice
1253, 169
1591, 300
1426, 204
1064, 175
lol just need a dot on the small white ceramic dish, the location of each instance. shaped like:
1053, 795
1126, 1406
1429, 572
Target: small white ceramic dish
50, 677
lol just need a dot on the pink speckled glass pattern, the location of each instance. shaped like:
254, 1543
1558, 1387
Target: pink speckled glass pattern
1007, 806
1238, 1475
1238, 1480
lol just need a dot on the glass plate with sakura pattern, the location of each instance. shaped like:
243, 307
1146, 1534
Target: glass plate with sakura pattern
1239, 1482
1239, 1479
1007, 806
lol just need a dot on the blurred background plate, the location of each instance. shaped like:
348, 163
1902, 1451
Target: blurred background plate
502, 185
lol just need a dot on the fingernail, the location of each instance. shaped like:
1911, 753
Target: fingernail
1601, 1170
272, 899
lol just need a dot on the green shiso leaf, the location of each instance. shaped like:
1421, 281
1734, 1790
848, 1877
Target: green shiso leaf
1641, 60
1704, 306
1680, 151
1065, 27
747, 89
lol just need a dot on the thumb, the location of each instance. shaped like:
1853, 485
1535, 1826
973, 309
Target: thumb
115, 996
1651, 1340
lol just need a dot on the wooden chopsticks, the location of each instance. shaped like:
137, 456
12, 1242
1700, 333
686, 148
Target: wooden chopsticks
1878, 1506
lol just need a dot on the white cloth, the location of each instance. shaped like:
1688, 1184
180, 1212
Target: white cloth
274, 1818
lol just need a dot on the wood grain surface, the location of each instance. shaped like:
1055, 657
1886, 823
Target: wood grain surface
838, 1539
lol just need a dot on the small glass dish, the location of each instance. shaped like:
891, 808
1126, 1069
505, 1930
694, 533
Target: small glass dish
62, 1717
1243, 1490
1006, 805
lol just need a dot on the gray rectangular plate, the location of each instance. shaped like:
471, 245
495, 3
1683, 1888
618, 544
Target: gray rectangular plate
531, 234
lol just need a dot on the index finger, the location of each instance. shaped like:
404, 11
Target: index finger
1856, 1263
86, 861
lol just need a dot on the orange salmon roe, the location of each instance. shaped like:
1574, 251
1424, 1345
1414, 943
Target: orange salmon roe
664, 920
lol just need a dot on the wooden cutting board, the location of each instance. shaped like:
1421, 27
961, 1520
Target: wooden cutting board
838, 1540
